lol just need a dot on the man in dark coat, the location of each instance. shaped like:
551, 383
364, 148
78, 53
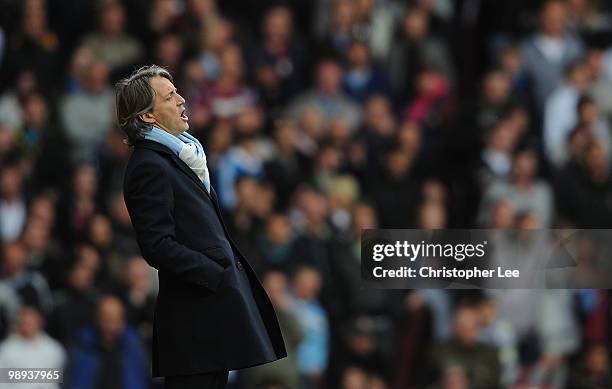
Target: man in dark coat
212, 313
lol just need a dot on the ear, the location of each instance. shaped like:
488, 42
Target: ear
147, 117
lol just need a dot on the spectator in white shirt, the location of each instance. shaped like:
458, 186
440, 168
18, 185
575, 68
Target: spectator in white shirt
30, 347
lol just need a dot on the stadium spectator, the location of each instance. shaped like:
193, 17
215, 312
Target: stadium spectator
87, 114
199, 23
478, 361
139, 297
327, 97
169, 52
289, 166
30, 347
33, 47
229, 96
13, 204
78, 205
109, 354
378, 130
599, 88
361, 77
11, 111
585, 184
75, 303
561, 113
395, 190
30, 285
312, 352
283, 373
278, 61
524, 191
547, 52
45, 144
415, 47
594, 369
111, 44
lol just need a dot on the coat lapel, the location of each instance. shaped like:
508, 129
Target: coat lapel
153, 145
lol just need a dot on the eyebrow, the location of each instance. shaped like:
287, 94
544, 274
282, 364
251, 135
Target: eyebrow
171, 92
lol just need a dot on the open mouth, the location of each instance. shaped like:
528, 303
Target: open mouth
184, 115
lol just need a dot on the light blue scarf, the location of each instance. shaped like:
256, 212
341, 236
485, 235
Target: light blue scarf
187, 148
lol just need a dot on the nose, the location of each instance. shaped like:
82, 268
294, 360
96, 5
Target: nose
181, 99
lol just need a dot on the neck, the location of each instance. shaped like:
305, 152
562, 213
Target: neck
276, 46
111, 34
28, 337
522, 183
108, 341
175, 133
286, 148
227, 83
553, 34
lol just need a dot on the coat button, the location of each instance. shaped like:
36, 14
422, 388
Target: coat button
238, 265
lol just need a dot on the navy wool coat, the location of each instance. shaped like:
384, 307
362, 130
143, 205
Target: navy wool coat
212, 312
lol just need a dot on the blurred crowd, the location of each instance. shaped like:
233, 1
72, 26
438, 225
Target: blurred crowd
319, 119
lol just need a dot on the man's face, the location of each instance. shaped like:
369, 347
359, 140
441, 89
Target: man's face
110, 318
169, 107
358, 54
554, 18
329, 77
278, 25
30, 323
113, 19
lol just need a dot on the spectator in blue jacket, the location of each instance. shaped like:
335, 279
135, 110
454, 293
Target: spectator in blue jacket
312, 352
109, 355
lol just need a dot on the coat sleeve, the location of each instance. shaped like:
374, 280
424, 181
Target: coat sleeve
149, 199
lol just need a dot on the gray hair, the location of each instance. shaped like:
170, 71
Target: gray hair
135, 96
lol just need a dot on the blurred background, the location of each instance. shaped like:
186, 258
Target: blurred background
319, 118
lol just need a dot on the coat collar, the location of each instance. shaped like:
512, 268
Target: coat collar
153, 145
